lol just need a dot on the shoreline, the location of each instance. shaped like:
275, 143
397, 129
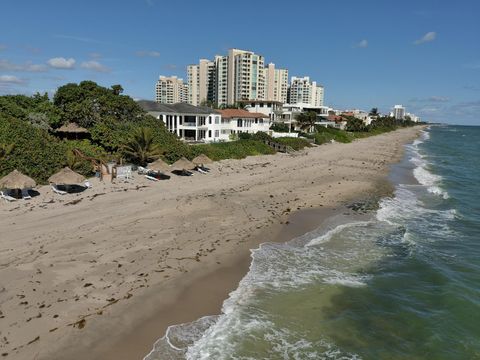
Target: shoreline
202, 263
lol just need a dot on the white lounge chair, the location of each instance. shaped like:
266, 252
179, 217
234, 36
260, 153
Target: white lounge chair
25, 195
59, 192
7, 197
151, 178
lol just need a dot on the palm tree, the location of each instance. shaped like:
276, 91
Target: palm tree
141, 147
73, 162
306, 120
5, 150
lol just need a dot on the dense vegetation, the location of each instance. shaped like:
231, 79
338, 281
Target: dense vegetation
118, 128
356, 129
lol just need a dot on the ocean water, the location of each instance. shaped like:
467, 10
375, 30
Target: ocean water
402, 284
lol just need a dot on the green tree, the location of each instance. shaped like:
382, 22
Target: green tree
5, 150
354, 124
117, 89
373, 112
306, 120
141, 147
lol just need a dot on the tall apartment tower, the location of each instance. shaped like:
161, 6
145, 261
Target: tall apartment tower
201, 82
171, 90
399, 112
276, 84
302, 90
221, 80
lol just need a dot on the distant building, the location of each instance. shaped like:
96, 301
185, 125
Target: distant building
399, 112
201, 82
171, 90
291, 111
302, 90
246, 76
273, 109
276, 84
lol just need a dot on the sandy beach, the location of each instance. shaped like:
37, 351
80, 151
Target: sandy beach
102, 274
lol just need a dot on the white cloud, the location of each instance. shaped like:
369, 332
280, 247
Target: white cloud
27, 67
362, 44
148, 53
61, 63
430, 36
10, 79
94, 66
95, 55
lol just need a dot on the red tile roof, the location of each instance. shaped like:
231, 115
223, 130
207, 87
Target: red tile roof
241, 113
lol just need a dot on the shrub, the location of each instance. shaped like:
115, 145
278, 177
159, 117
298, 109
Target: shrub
36, 153
294, 143
232, 150
280, 127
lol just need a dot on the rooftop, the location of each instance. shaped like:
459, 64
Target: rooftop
240, 113
179, 108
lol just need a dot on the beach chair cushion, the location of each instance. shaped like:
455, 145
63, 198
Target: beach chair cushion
57, 191
7, 197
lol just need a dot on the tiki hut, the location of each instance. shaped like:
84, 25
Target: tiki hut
183, 164
16, 180
202, 159
66, 176
159, 165
72, 130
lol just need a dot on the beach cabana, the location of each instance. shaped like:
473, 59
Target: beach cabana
66, 180
72, 130
18, 183
159, 165
202, 159
183, 164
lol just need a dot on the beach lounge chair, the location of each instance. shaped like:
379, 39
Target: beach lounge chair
25, 195
6, 197
149, 177
57, 191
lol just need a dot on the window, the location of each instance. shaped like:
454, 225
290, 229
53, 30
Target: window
217, 133
217, 119
209, 133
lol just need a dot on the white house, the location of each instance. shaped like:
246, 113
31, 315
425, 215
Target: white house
188, 122
203, 124
243, 121
272, 109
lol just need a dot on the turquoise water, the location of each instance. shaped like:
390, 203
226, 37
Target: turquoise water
402, 284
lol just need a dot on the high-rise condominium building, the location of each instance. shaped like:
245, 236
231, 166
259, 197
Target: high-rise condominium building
276, 84
399, 112
240, 75
248, 76
171, 90
302, 90
201, 82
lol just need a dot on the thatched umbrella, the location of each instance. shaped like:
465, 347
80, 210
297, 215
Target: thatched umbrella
159, 165
202, 159
16, 180
66, 176
183, 164
72, 128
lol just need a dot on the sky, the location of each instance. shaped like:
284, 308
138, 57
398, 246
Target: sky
366, 53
